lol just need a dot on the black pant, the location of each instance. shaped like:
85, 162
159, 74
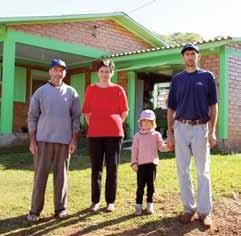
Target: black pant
108, 149
146, 175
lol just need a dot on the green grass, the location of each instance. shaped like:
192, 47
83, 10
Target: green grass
16, 179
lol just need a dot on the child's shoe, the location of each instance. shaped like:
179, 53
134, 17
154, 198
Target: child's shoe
149, 208
138, 211
110, 207
95, 207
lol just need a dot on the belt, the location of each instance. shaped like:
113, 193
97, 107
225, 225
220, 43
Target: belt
193, 122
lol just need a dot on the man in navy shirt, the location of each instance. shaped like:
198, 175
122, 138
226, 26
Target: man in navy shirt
192, 119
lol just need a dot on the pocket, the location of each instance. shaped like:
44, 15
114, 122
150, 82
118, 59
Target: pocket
176, 127
176, 123
204, 129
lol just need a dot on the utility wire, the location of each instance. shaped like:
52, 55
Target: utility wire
142, 6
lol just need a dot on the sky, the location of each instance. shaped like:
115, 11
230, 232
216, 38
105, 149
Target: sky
210, 18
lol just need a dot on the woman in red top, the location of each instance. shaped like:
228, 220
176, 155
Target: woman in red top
105, 108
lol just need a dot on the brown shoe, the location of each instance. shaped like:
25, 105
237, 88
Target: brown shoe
186, 217
207, 221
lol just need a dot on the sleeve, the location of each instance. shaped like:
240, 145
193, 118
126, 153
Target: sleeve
75, 112
162, 147
134, 150
34, 112
212, 91
159, 141
123, 103
86, 103
172, 103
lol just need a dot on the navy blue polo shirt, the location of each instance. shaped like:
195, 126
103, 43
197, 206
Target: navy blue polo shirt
191, 94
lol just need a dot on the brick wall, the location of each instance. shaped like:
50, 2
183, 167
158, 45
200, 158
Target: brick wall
234, 102
211, 62
107, 35
20, 115
123, 80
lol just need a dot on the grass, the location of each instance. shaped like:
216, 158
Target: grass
16, 179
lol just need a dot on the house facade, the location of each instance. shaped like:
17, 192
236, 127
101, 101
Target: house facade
144, 63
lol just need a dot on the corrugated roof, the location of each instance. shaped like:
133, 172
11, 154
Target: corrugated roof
217, 39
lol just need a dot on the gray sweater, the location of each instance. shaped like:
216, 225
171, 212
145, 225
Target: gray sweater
54, 113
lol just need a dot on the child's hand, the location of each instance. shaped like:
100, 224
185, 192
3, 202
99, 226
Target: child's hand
134, 167
165, 148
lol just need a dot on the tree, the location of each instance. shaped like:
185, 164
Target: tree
180, 38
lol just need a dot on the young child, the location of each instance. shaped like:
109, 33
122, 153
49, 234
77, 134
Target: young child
144, 158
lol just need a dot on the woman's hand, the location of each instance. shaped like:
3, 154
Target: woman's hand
124, 115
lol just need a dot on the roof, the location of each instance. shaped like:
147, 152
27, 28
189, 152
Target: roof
219, 41
120, 17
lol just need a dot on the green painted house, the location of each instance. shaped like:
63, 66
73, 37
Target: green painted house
144, 65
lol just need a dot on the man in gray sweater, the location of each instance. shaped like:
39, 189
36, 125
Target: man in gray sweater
53, 122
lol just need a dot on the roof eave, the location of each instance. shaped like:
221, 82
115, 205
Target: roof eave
120, 17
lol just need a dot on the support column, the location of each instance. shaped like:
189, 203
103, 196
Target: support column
131, 102
78, 82
7, 85
223, 95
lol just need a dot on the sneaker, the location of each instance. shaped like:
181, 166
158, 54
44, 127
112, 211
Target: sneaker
206, 220
149, 208
61, 215
32, 217
110, 207
186, 217
138, 208
95, 207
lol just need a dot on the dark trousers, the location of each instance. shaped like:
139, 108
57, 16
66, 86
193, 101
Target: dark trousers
108, 149
146, 175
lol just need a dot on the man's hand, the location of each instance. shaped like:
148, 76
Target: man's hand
170, 140
33, 148
72, 147
135, 167
212, 139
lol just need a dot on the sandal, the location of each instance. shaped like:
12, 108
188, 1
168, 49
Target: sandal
32, 217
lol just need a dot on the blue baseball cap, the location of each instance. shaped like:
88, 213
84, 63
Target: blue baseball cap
190, 46
58, 62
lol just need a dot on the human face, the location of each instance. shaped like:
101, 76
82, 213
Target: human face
191, 58
104, 74
57, 75
146, 124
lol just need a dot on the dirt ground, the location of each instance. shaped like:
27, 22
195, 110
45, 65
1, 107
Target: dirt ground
226, 221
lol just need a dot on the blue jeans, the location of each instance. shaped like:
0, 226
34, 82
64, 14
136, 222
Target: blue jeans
193, 140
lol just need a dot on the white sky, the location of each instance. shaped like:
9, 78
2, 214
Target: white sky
209, 18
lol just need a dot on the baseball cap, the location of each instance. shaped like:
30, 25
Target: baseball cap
58, 62
190, 46
147, 115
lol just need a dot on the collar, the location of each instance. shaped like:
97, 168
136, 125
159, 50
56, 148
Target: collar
55, 85
144, 132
